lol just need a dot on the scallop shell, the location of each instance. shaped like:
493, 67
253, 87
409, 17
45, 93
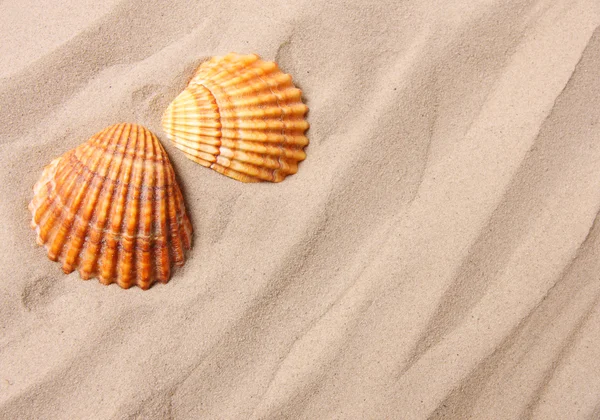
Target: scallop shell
242, 117
112, 209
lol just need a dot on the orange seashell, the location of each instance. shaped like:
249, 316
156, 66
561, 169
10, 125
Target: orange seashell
242, 117
112, 209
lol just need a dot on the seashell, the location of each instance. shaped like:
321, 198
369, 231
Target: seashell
242, 117
112, 209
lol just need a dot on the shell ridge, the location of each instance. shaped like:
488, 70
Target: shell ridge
108, 180
62, 189
80, 225
69, 174
153, 258
156, 150
140, 242
183, 219
176, 249
220, 105
143, 239
282, 144
163, 259
131, 215
214, 162
95, 250
174, 220
105, 135
238, 119
113, 246
258, 75
218, 135
71, 205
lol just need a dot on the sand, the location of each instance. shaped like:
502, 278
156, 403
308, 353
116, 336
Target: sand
436, 256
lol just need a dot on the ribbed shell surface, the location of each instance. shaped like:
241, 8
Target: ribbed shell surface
112, 209
242, 117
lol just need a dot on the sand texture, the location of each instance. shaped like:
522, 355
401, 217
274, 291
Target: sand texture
436, 256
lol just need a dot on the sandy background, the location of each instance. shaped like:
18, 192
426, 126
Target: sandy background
437, 255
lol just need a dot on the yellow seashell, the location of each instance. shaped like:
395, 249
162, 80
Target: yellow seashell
242, 117
112, 209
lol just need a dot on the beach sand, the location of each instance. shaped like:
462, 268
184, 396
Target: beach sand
436, 256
